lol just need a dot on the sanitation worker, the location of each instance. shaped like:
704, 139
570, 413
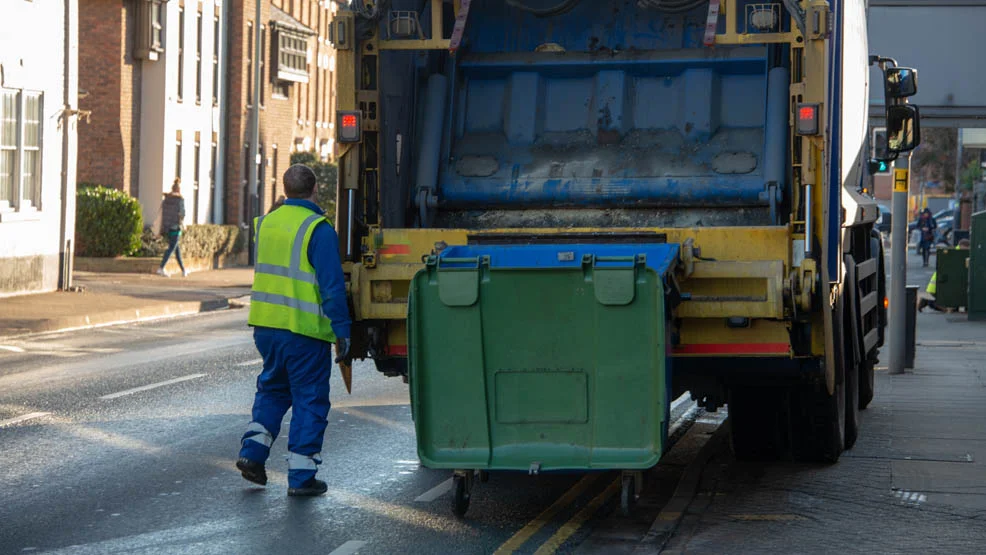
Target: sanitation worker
297, 309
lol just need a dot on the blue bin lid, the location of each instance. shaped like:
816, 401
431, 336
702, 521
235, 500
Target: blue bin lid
657, 256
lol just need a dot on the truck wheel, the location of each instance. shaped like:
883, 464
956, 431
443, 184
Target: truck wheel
391, 366
754, 418
822, 426
866, 385
852, 406
850, 340
820, 419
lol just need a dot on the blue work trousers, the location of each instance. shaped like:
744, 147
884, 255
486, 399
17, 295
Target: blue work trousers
296, 375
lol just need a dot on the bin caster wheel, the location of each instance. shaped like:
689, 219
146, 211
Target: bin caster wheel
628, 495
484, 476
460, 504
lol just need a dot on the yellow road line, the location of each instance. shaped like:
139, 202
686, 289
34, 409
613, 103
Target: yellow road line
573, 525
533, 526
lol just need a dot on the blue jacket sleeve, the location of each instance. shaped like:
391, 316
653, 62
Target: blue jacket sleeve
323, 252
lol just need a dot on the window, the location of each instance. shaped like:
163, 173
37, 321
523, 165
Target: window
150, 29
262, 66
195, 185
178, 157
291, 63
274, 176
198, 60
250, 62
212, 174
20, 150
181, 53
216, 35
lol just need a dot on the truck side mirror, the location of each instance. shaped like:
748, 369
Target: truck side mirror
903, 128
901, 82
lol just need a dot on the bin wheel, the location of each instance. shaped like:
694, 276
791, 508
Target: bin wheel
461, 502
484, 476
628, 494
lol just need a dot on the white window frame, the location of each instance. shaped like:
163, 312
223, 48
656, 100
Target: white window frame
18, 202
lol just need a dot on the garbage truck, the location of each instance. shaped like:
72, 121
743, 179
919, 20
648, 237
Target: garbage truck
557, 215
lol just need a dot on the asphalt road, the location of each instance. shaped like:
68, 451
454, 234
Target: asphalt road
123, 439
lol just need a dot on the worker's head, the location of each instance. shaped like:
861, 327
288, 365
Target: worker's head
176, 186
299, 182
964, 244
926, 211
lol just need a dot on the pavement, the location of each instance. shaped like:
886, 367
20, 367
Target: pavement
914, 483
104, 299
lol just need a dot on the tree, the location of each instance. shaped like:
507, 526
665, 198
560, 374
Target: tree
326, 177
971, 174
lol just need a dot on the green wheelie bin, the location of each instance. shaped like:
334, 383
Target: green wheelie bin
541, 358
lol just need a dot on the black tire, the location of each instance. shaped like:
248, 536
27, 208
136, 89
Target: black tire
391, 366
851, 345
628, 495
754, 417
460, 503
820, 417
866, 383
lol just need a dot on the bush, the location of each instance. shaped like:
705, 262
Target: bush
326, 177
197, 241
151, 244
108, 222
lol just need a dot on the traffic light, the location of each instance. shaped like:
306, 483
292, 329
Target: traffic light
878, 166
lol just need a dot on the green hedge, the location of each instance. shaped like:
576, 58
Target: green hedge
198, 241
108, 222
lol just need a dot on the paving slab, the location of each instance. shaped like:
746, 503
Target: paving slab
106, 299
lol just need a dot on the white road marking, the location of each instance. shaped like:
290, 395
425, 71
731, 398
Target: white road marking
250, 362
11, 348
152, 386
435, 492
348, 548
18, 419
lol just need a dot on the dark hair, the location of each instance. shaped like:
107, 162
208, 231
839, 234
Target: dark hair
299, 181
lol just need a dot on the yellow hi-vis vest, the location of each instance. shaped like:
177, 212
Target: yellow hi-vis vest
933, 284
285, 292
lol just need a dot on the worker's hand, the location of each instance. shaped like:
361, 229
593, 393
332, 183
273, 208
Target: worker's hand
342, 351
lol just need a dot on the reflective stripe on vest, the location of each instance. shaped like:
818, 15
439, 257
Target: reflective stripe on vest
286, 296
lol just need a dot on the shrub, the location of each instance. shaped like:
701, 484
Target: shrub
108, 222
209, 240
198, 241
151, 244
326, 177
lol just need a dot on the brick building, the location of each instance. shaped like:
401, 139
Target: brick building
150, 74
108, 81
38, 122
296, 95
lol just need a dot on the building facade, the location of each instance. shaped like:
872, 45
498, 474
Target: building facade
296, 97
152, 76
38, 121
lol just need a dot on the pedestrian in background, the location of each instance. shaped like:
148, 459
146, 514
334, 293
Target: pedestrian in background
298, 309
172, 224
926, 226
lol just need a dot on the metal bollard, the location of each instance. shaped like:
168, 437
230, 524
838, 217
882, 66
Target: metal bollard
911, 330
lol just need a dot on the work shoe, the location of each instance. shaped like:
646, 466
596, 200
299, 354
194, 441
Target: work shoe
252, 471
311, 488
